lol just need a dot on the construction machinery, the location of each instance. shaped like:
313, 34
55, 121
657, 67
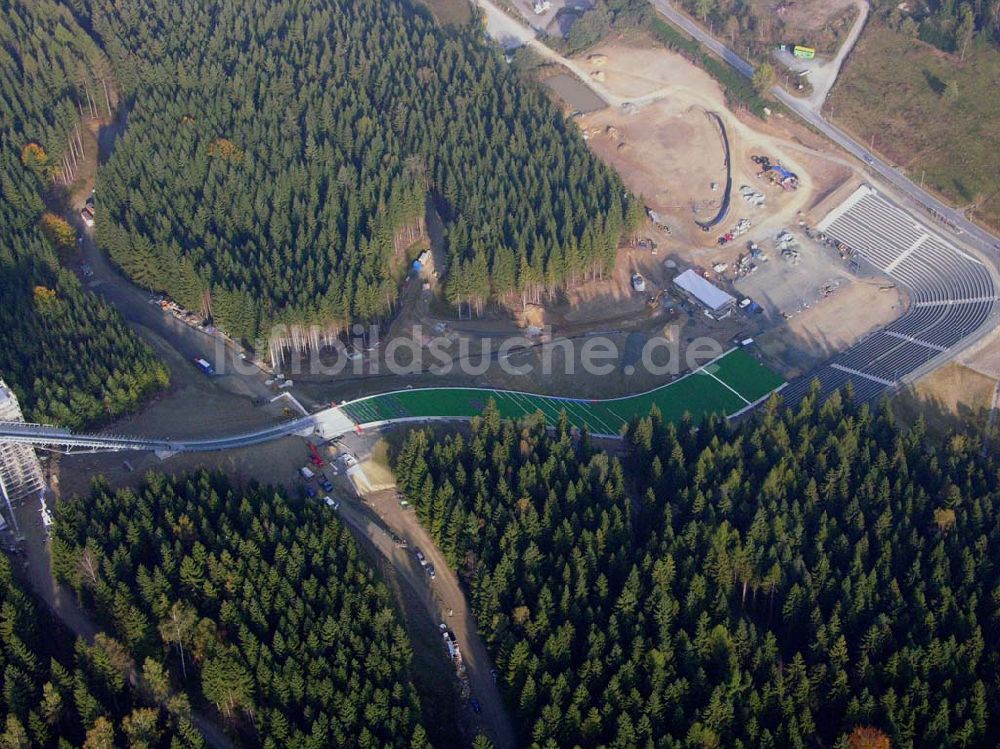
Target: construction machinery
656, 299
742, 227
751, 196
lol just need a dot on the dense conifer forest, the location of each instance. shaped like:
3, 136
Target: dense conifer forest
278, 156
257, 605
819, 577
60, 694
68, 355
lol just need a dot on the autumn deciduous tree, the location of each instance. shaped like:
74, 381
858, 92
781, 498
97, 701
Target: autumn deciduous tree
34, 157
225, 149
49, 61
101, 735
58, 231
44, 298
866, 737
764, 77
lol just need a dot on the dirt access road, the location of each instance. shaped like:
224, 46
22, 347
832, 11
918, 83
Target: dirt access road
236, 376
152, 324
823, 73
370, 518
443, 597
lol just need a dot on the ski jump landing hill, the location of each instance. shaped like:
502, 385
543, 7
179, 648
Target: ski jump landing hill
728, 386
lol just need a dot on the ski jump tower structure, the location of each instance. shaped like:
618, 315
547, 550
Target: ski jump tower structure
20, 472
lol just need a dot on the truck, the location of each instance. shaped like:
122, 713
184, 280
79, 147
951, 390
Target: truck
204, 366
422, 259
450, 641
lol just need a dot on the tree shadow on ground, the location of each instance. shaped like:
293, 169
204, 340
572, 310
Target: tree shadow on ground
935, 83
941, 419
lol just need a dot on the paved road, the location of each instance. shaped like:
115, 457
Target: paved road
823, 73
823, 78
973, 233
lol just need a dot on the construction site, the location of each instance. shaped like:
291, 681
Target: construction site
730, 198
735, 198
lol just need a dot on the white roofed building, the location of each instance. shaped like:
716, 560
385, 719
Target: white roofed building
706, 293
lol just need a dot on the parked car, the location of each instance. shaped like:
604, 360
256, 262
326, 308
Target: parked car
327, 485
310, 491
474, 704
430, 571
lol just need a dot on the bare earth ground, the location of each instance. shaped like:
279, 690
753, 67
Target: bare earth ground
80, 189
441, 599
954, 397
574, 92
812, 334
669, 152
842, 32
806, 19
984, 356
449, 12
447, 603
